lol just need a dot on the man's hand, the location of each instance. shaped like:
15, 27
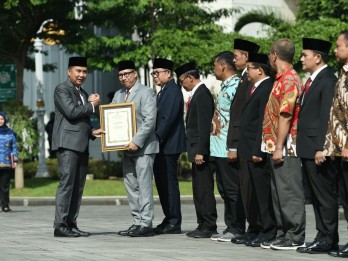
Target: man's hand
232, 156
344, 155
97, 133
94, 98
257, 159
132, 147
199, 159
319, 158
278, 156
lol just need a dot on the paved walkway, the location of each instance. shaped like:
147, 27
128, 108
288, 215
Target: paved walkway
27, 234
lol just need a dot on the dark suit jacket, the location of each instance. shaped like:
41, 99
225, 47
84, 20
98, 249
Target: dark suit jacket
314, 114
170, 128
250, 130
198, 123
240, 99
72, 127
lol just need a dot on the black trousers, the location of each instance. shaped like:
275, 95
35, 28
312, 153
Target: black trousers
249, 197
227, 181
165, 172
203, 196
73, 168
322, 180
342, 181
5, 178
261, 182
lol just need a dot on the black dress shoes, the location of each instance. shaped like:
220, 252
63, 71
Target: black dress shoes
82, 233
126, 232
242, 239
65, 232
168, 229
317, 247
340, 253
202, 233
193, 231
141, 231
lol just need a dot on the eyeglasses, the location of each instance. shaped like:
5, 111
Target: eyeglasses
157, 73
125, 75
251, 68
182, 80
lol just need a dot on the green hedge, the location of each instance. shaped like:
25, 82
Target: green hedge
101, 169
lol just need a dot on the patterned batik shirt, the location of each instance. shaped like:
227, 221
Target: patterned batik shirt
284, 98
221, 117
337, 131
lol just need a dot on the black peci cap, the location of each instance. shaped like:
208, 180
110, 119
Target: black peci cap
258, 58
246, 46
185, 68
125, 64
163, 63
77, 61
316, 45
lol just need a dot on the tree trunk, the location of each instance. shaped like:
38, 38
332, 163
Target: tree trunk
19, 80
19, 175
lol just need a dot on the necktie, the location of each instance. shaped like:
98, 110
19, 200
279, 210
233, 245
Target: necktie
127, 94
308, 84
252, 89
79, 90
188, 102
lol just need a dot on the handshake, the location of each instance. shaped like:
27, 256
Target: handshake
94, 98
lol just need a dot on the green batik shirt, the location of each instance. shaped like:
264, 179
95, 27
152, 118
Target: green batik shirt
221, 117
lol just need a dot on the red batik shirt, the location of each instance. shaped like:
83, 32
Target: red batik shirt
284, 98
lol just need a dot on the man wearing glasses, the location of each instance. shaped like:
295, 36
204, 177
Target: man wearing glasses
138, 159
170, 132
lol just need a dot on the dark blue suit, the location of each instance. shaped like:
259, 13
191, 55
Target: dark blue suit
170, 131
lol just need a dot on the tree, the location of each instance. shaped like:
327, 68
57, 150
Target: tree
154, 25
308, 23
20, 21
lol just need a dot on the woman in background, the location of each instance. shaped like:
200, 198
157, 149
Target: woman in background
8, 161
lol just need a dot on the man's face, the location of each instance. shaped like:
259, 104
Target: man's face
240, 59
185, 82
161, 76
128, 78
253, 72
2, 121
218, 69
309, 61
77, 75
341, 50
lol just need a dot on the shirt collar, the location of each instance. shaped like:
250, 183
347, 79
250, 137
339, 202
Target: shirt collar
317, 72
195, 89
226, 82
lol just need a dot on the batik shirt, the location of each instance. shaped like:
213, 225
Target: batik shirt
284, 98
337, 131
221, 118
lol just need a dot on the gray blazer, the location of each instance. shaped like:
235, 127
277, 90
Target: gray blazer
145, 108
72, 127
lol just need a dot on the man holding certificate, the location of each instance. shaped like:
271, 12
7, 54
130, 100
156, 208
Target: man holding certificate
139, 157
170, 132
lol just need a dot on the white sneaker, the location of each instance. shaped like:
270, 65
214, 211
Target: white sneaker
287, 245
226, 237
216, 237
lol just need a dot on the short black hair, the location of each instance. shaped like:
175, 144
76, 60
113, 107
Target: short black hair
227, 58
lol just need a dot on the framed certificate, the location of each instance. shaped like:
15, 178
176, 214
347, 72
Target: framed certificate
119, 123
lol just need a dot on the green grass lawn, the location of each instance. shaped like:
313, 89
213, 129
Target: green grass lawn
41, 187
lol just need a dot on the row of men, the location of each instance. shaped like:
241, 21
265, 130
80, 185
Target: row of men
254, 139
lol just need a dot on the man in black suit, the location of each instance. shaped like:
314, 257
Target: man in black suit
170, 132
242, 49
249, 147
312, 126
198, 124
71, 133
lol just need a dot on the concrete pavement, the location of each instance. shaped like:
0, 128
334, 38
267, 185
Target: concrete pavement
27, 234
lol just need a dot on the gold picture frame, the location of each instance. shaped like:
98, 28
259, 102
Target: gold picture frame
119, 123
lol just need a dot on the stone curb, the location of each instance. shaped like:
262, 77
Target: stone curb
100, 200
